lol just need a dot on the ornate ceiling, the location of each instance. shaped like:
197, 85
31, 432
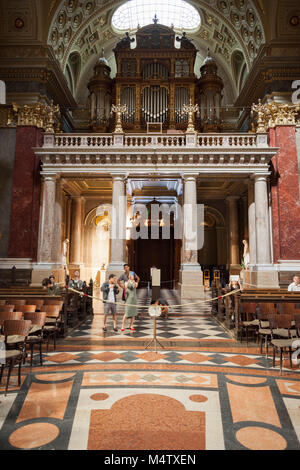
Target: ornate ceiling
70, 34
231, 28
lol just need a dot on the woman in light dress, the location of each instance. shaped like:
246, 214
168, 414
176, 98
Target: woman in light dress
131, 299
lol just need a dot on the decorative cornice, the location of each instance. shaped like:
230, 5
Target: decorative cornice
36, 64
268, 69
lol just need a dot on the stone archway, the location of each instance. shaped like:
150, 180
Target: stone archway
214, 252
96, 242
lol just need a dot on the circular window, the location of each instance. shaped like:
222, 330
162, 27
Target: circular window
136, 13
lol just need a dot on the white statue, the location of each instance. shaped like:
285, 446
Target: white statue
65, 251
246, 255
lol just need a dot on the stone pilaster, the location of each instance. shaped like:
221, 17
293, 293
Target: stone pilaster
46, 260
76, 233
251, 223
190, 275
233, 223
47, 223
264, 273
118, 226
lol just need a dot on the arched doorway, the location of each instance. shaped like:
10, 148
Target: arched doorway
163, 252
214, 252
96, 241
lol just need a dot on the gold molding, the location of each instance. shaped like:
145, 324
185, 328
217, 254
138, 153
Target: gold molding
274, 114
36, 114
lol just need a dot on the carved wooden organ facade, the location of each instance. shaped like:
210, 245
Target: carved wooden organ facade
155, 79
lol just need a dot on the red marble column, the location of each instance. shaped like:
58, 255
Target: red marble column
24, 219
285, 194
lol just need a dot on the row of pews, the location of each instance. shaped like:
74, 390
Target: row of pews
75, 310
229, 310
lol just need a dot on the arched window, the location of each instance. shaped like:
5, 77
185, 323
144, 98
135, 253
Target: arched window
136, 13
2, 92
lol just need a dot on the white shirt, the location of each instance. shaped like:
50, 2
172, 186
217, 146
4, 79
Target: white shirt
294, 288
111, 295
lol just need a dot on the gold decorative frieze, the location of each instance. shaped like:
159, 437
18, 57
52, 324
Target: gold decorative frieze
36, 114
274, 114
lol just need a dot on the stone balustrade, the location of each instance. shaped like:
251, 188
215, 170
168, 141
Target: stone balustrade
159, 141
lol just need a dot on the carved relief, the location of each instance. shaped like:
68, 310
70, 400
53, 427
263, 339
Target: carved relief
61, 21
36, 114
251, 49
240, 4
54, 37
77, 20
245, 34
223, 5
235, 18
250, 18
88, 8
71, 5
258, 35
60, 51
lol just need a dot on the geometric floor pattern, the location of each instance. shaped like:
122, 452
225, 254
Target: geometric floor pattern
202, 328
203, 358
187, 306
94, 396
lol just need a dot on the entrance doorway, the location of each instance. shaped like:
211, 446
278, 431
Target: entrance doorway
161, 253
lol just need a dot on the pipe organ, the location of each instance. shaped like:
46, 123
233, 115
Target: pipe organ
154, 79
209, 94
100, 87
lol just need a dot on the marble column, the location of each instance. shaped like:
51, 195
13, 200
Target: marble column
263, 246
47, 220
118, 226
251, 223
234, 249
77, 216
264, 274
57, 245
190, 275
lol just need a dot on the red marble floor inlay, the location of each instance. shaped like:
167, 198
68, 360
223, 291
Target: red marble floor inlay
46, 401
241, 360
195, 358
146, 421
256, 438
62, 357
198, 398
107, 356
33, 435
151, 356
99, 396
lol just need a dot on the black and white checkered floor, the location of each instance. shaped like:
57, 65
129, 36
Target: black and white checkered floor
192, 322
188, 328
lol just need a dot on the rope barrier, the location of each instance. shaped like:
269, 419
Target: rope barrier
147, 306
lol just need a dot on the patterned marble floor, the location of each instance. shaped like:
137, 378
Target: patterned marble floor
189, 306
97, 397
173, 328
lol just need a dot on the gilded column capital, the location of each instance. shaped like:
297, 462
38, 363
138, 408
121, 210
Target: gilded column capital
274, 114
36, 114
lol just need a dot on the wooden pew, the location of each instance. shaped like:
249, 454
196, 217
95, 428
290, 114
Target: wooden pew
261, 296
75, 307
